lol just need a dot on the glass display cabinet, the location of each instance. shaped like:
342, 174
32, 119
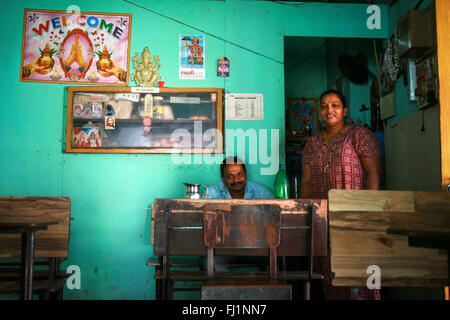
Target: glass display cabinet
144, 120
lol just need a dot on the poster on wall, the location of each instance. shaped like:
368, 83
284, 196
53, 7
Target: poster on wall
192, 57
303, 118
82, 48
244, 106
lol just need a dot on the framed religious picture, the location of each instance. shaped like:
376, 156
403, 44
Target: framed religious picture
87, 137
302, 118
75, 47
192, 57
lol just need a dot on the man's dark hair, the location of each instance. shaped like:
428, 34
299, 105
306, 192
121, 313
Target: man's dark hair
231, 160
339, 94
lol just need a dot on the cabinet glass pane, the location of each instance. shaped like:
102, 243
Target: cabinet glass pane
117, 120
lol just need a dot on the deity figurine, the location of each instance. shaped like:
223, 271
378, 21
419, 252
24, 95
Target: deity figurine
145, 74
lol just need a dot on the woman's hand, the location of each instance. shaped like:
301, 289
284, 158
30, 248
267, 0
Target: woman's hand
305, 187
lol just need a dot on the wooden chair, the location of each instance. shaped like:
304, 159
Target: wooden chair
243, 227
50, 244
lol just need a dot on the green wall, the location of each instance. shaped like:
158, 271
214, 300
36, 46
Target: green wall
306, 76
111, 193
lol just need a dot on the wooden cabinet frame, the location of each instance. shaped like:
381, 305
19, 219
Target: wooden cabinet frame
214, 121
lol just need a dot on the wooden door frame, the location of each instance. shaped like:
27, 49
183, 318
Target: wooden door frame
443, 57
443, 49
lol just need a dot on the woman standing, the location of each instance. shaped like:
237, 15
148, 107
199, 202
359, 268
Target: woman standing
342, 156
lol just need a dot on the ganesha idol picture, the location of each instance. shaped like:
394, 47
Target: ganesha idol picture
94, 52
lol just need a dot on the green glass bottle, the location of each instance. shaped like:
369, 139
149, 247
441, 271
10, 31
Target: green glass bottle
281, 184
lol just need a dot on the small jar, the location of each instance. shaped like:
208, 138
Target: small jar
158, 107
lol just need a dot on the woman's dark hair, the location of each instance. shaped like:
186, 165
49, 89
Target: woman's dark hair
231, 160
332, 91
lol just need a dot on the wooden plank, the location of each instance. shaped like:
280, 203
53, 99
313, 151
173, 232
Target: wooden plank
443, 48
38, 286
152, 225
194, 275
320, 232
432, 213
370, 200
358, 239
423, 221
432, 202
245, 290
45, 247
52, 242
403, 272
287, 205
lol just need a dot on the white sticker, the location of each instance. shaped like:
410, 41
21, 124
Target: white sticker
145, 89
127, 96
187, 100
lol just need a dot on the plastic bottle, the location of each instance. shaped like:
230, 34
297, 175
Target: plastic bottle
281, 184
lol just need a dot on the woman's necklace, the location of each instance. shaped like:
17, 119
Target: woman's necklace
330, 157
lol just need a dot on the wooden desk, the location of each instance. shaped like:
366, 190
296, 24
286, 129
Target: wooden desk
177, 230
401, 232
28, 233
186, 226
20, 216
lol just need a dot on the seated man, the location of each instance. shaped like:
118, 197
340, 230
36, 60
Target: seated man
234, 184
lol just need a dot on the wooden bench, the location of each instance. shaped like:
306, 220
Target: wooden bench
187, 268
50, 244
177, 231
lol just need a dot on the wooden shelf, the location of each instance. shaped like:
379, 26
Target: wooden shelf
141, 119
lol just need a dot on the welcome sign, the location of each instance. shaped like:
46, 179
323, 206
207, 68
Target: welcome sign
80, 47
